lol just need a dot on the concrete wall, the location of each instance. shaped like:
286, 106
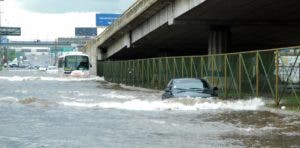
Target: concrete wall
152, 23
122, 42
182, 6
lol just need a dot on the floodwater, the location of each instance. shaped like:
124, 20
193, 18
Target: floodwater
39, 109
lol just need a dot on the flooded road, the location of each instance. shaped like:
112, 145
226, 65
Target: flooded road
42, 110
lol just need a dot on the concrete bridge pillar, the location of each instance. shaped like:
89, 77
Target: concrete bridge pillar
92, 51
219, 39
102, 53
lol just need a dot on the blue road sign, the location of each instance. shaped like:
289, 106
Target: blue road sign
4, 40
104, 20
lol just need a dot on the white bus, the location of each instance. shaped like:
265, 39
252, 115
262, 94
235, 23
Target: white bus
74, 64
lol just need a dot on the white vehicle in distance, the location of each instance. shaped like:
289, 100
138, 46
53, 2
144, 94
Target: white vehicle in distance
75, 64
42, 68
52, 69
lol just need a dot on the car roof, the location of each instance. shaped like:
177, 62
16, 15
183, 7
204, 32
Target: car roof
186, 79
180, 80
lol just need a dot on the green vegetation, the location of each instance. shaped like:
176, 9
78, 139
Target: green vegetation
11, 55
291, 102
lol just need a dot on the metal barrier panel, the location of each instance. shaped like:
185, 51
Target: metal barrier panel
271, 74
288, 77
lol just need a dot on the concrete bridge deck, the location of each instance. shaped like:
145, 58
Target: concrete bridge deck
151, 28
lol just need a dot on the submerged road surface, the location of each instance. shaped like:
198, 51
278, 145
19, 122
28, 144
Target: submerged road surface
43, 110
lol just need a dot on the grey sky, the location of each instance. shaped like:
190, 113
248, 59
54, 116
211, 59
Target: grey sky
64, 6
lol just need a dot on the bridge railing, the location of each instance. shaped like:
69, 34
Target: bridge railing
271, 74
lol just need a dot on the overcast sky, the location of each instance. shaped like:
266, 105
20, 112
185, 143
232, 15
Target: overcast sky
49, 19
65, 6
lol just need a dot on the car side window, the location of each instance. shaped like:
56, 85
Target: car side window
170, 85
205, 84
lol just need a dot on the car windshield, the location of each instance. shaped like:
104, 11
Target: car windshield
188, 84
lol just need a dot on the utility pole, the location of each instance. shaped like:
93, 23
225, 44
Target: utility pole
2, 56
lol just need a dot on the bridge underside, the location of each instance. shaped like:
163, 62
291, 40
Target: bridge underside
252, 25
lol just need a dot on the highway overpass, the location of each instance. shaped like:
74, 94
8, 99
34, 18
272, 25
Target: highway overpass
16, 44
151, 28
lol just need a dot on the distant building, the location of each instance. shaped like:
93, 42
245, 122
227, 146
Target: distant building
76, 42
289, 66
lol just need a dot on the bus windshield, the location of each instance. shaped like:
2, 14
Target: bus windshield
76, 63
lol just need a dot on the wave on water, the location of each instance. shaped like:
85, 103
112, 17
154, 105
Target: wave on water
144, 105
8, 99
29, 101
117, 96
20, 78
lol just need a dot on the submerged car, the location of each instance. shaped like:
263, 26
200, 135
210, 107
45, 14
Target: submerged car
189, 87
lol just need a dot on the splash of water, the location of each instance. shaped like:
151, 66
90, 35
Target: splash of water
19, 78
116, 96
144, 105
8, 99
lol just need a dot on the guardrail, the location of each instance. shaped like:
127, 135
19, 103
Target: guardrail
270, 74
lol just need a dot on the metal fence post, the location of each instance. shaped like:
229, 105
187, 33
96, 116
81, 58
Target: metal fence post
257, 74
167, 70
153, 73
212, 69
201, 67
277, 80
240, 75
143, 72
191, 66
182, 74
225, 77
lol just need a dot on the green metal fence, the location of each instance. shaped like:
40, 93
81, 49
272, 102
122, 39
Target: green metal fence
266, 73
